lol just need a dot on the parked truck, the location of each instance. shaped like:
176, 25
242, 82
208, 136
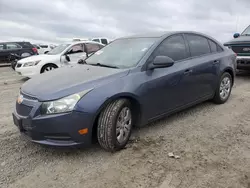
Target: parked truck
241, 46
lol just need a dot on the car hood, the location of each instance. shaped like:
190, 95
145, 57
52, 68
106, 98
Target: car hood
239, 40
69, 80
43, 57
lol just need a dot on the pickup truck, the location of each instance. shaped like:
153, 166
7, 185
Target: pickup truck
241, 46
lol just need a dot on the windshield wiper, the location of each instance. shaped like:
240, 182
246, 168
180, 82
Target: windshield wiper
245, 35
104, 65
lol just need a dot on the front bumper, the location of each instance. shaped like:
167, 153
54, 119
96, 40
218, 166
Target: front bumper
243, 62
56, 130
28, 71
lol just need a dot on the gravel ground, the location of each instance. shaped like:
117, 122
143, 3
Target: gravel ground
213, 142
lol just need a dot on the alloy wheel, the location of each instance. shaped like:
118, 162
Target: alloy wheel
225, 88
123, 125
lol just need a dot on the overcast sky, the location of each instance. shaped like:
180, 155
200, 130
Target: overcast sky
55, 21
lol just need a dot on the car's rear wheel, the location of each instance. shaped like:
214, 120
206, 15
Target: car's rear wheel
115, 125
48, 68
224, 88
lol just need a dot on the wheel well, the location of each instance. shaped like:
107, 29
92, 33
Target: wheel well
136, 111
231, 73
47, 65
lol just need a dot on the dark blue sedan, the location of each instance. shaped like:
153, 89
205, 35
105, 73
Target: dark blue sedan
130, 82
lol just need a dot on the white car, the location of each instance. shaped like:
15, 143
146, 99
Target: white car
43, 48
64, 54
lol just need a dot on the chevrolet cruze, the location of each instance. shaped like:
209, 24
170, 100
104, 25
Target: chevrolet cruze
130, 82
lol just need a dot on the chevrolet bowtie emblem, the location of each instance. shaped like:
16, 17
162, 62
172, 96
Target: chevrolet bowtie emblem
19, 99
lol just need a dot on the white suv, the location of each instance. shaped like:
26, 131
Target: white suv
64, 54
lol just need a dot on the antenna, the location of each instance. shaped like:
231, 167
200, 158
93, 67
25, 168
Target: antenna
237, 23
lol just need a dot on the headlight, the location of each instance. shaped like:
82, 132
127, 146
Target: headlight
29, 64
65, 104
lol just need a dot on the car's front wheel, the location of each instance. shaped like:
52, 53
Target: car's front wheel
224, 88
114, 125
48, 67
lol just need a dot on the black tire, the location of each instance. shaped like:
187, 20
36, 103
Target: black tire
217, 97
48, 66
13, 64
107, 124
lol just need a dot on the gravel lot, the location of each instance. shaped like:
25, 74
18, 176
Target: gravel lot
213, 142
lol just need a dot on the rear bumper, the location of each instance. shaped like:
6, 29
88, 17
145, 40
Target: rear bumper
56, 130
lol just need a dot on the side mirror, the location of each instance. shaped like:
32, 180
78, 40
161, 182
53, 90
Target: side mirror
65, 59
236, 35
161, 62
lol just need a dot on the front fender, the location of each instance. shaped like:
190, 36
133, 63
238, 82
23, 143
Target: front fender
94, 101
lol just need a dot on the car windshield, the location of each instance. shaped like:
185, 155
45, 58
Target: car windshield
59, 49
246, 31
122, 53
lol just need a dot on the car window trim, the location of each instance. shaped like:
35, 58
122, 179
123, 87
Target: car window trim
208, 45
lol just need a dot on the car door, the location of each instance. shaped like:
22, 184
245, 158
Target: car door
76, 52
167, 89
13, 48
204, 66
2, 52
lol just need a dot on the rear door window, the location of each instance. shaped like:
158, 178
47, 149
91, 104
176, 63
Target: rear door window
92, 47
173, 47
198, 45
12, 46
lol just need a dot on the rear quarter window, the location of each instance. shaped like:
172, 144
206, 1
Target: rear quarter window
219, 49
214, 46
25, 44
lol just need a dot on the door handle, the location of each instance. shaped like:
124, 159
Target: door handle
188, 71
216, 62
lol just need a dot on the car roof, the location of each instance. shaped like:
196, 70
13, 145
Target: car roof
83, 41
14, 42
164, 34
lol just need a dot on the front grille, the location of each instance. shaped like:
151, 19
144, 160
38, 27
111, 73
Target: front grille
29, 97
23, 110
18, 65
241, 49
244, 62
